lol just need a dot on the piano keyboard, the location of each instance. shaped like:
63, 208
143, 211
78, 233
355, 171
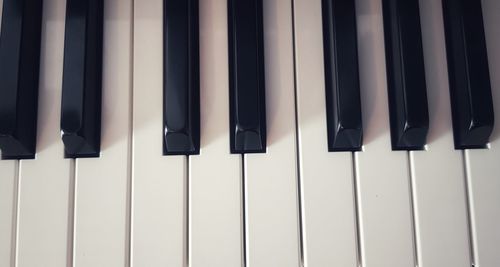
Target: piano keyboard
260, 133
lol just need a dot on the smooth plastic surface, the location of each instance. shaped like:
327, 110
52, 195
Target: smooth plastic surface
343, 104
158, 212
82, 79
216, 215
247, 102
438, 175
468, 71
324, 177
408, 109
181, 77
271, 179
102, 185
45, 213
19, 71
483, 168
382, 175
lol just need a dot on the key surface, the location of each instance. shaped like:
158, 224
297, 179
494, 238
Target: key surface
46, 183
468, 72
19, 71
246, 76
408, 109
102, 185
328, 231
482, 164
271, 179
8, 211
215, 215
82, 79
158, 182
382, 181
181, 86
8, 207
438, 177
343, 102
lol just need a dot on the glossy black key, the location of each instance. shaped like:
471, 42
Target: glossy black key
19, 71
468, 73
407, 92
343, 102
246, 77
181, 81
82, 79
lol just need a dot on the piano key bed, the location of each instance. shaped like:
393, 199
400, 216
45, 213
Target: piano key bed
250, 133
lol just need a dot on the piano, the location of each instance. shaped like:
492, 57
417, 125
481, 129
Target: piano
260, 133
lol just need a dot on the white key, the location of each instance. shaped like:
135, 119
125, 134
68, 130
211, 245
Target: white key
158, 201
46, 183
215, 220
102, 184
271, 196
483, 168
383, 189
8, 210
327, 197
438, 178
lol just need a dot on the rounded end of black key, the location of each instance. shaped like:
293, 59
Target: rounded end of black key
346, 139
12, 149
476, 137
248, 141
76, 146
413, 137
180, 143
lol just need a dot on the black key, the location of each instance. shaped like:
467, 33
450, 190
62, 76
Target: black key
468, 73
82, 79
181, 78
246, 77
407, 92
19, 71
343, 104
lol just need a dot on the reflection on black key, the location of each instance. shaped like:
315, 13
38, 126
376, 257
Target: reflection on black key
246, 76
81, 95
470, 89
341, 76
409, 114
19, 71
181, 87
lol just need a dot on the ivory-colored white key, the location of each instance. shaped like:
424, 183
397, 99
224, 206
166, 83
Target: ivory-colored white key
328, 231
46, 183
102, 184
382, 175
158, 182
271, 194
215, 214
483, 165
438, 178
8, 210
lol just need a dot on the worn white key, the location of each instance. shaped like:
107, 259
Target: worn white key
439, 194
102, 184
8, 210
271, 195
327, 195
382, 175
46, 183
483, 168
158, 200
215, 214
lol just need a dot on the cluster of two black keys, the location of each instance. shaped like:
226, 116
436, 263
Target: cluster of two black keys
470, 91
